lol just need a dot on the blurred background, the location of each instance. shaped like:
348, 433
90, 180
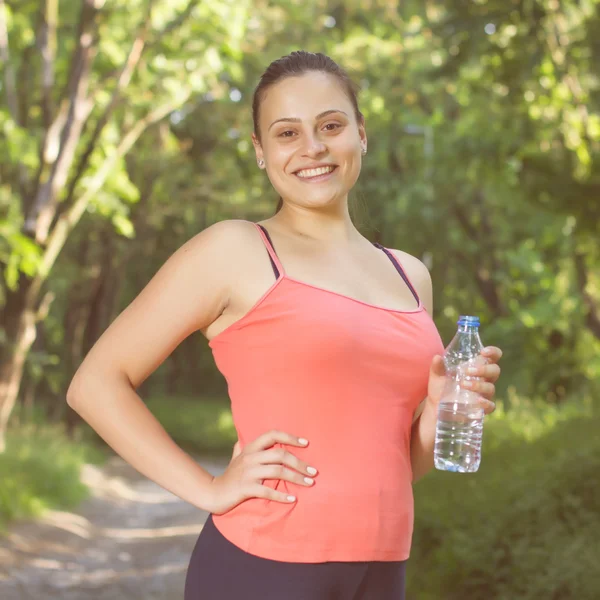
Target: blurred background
125, 130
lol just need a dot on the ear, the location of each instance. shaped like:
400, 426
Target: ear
362, 134
257, 148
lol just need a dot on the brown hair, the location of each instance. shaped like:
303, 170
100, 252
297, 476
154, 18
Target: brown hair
296, 64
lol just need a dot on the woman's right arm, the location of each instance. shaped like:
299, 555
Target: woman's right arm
187, 294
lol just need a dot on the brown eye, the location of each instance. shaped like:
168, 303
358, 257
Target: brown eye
332, 126
285, 133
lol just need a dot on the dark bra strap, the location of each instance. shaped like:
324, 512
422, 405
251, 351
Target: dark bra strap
399, 269
275, 269
377, 245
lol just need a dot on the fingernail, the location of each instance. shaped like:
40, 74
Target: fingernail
311, 470
302, 441
472, 370
487, 351
292, 498
309, 480
467, 384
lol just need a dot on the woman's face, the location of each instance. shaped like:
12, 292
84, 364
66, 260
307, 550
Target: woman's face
308, 123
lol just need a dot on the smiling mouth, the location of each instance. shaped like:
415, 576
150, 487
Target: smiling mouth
315, 173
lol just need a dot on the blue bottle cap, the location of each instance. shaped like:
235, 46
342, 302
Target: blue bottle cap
467, 320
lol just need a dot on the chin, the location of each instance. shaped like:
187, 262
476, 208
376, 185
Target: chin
321, 202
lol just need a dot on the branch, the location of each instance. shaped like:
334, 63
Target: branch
178, 21
44, 306
122, 82
487, 231
11, 95
24, 90
485, 281
54, 170
592, 316
157, 36
9, 74
68, 220
465, 223
559, 52
47, 45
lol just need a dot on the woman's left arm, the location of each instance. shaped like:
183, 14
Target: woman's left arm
425, 417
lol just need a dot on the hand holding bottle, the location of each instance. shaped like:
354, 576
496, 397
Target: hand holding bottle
487, 374
462, 387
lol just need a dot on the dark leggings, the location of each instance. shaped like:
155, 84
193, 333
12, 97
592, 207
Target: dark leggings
219, 570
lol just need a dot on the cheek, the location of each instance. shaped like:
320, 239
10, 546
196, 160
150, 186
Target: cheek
349, 153
346, 147
279, 156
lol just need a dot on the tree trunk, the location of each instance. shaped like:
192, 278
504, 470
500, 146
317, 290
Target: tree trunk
592, 310
19, 324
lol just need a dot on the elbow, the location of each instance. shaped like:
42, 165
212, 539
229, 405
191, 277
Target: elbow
418, 476
91, 384
77, 387
73, 391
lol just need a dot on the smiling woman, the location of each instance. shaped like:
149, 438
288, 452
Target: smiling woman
331, 357
324, 349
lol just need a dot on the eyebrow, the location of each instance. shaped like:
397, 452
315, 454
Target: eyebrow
319, 116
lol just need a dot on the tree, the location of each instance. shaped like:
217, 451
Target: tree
74, 106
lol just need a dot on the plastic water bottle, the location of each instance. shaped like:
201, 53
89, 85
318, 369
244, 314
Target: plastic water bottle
460, 415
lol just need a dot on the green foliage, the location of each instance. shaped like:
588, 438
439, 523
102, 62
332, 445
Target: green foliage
525, 525
484, 134
40, 470
199, 425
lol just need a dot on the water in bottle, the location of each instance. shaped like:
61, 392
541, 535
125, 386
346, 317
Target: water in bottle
460, 415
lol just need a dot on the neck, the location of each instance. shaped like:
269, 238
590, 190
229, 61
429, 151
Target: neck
324, 224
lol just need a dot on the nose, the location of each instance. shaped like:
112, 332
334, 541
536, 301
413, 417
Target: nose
314, 146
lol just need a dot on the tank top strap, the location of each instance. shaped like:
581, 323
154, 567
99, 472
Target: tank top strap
400, 270
275, 262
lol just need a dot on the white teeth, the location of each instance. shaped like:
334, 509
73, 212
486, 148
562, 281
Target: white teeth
314, 172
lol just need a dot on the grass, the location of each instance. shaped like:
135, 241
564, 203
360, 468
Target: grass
525, 525
40, 470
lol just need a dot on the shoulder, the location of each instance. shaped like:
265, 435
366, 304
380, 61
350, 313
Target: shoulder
222, 242
419, 276
224, 233
216, 255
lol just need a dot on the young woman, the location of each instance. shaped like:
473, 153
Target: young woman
331, 357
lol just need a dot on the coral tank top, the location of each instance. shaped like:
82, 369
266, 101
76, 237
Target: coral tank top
348, 376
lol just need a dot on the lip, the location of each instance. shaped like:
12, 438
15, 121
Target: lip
317, 166
318, 178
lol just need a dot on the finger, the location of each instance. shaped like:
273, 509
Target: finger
488, 406
490, 372
280, 472
485, 388
263, 491
437, 365
281, 456
270, 438
492, 353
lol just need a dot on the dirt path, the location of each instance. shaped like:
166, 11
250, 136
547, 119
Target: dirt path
130, 540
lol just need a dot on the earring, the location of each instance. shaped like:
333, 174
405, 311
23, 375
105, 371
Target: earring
364, 151
261, 163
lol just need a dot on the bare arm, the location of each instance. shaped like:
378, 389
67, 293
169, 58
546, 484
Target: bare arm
425, 417
188, 293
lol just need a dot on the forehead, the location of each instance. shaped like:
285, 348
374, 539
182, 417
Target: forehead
304, 97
